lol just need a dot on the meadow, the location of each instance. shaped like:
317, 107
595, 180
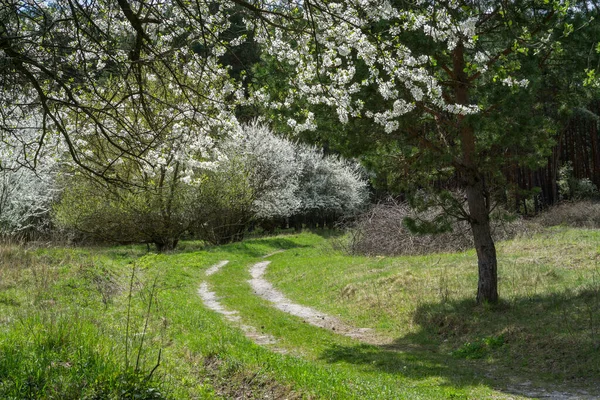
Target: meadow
122, 322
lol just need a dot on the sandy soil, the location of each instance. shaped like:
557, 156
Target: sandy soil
264, 289
212, 302
215, 268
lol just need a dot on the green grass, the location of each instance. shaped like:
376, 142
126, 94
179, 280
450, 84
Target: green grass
75, 324
546, 329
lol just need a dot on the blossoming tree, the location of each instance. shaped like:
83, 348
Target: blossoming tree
96, 69
439, 77
125, 80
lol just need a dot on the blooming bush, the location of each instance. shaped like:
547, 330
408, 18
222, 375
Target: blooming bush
330, 187
27, 181
265, 178
25, 201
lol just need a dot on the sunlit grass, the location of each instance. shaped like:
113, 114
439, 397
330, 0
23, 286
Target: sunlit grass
74, 324
547, 321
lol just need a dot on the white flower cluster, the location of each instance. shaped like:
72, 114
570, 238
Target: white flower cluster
329, 184
512, 82
26, 194
288, 178
124, 86
151, 87
325, 57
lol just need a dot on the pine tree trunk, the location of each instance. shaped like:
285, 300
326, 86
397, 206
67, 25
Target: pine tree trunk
487, 286
479, 213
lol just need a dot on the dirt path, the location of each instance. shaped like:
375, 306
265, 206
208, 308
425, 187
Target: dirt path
212, 302
215, 268
264, 289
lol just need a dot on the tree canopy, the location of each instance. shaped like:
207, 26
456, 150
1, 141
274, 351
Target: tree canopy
453, 88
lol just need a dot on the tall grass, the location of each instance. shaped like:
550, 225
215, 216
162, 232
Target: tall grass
61, 335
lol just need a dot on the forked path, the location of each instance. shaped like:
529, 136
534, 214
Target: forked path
264, 289
212, 302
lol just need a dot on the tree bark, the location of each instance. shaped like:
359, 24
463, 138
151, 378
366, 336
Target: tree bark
487, 286
165, 244
477, 199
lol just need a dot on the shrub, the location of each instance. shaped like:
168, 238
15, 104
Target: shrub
329, 187
571, 188
257, 180
225, 205
267, 179
580, 214
25, 201
104, 212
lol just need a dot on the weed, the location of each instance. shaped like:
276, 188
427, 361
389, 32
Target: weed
479, 348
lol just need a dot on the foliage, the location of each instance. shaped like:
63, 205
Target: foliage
266, 178
256, 180
158, 213
270, 164
571, 188
27, 185
330, 187
225, 200
455, 86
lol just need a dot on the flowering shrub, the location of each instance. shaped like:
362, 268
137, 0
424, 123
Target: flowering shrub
25, 201
329, 187
266, 178
27, 182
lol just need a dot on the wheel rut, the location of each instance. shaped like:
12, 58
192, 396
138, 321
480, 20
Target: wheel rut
265, 289
211, 301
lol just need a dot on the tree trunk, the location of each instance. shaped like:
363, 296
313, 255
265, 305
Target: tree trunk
165, 244
487, 286
479, 212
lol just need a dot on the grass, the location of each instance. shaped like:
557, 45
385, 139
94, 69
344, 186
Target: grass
120, 323
545, 329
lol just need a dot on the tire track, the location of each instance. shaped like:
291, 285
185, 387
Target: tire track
211, 301
264, 289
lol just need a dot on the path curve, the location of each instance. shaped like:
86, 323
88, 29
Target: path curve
264, 289
215, 268
211, 301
